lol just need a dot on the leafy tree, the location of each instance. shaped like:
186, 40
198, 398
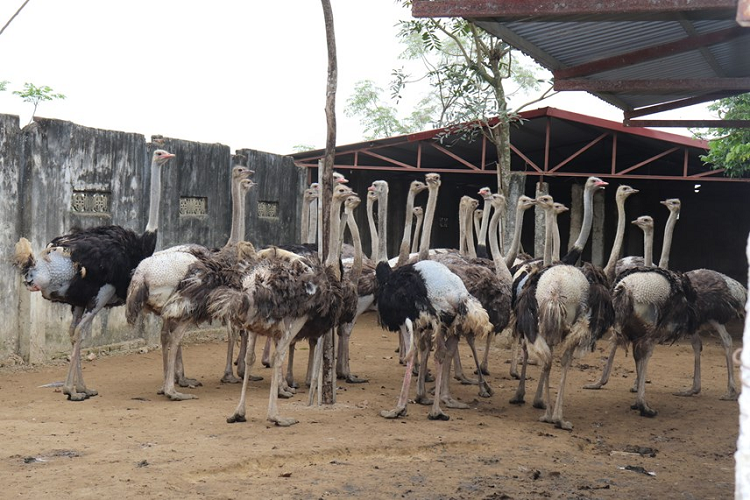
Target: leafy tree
730, 147
466, 68
33, 94
3, 85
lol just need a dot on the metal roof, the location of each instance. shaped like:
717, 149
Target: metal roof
545, 142
643, 56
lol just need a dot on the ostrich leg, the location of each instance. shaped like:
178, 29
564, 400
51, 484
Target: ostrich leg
403, 399
485, 391
422, 356
518, 397
171, 347
642, 355
451, 345
229, 377
239, 412
180, 377
607, 371
442, 365
291, 327
557, 414
726, 341
697, 344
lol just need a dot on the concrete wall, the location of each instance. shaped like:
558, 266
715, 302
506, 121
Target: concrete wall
46, 164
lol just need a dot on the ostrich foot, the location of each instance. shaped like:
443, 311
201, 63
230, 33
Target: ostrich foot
188, 382
452, 403
687, 392
286, 392
730, 396
547, 419
394, 413
466, 380
229, 378
438, 416
294, 385
237, 417
485, 391
484, 369
645, 410
79, 396
353, 379
517, 400
424, 400
282, 422
266, 364
595, 385
538, 403
562, 424
178, 396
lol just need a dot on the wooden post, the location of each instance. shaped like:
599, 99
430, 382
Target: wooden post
542, 188
329, 378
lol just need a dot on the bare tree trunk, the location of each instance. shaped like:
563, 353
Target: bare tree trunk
329, 378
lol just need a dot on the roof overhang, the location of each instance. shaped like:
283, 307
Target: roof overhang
642, 56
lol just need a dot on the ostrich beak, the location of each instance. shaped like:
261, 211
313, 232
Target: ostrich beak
602, 183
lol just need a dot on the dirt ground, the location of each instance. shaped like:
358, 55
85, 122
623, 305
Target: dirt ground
129, 442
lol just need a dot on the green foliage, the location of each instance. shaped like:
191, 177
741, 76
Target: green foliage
730, 148
3, 85
301, 148
34, 95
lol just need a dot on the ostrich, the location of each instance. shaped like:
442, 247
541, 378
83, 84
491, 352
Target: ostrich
484, 216
674, 205
560, 307
309, 224
90, 269
415, 188
421, 300
524, 203
372, 197
557, 209
588, 215
277, 298
623, 192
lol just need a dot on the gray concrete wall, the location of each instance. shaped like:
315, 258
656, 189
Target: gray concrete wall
46, 164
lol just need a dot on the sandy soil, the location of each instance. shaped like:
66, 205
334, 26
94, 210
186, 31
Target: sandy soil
129, 442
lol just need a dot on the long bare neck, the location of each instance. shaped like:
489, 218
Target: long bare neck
305, 231
334, 247
424, 246
471, 250
356, 271
588, 218
501, 269
417, 230
648, 246
617, 245
234, 232
548, 235
555, 238
374, 238
312, 233
667, 244
154, 200
482, 240
403, 252
462, 247
383, 225
516, 242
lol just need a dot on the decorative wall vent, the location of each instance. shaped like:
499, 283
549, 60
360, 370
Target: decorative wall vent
443, 222
90, 202
268, 209
193, 205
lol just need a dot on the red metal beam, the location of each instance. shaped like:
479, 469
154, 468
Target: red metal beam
680, 103
650, 53
526, 159
579, 152
526, 8
657, 85
640, 176
688, 123
389, 160
454, 156
649, 160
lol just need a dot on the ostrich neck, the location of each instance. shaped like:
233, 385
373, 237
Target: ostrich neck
403, 251
234, 232
667, 244
424, 246
334, 242
374, 238
383, 225
516, 243
548, 216
356, 271
461, 229
471, 250
555, 239
482, 240
588, 219
617, 245
154, 201
312, 233
648, 247
417, 230
501, 269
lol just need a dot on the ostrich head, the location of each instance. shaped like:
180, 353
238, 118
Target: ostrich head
471, 203
240, 172
378, 187
545, 202
417, 187
673, 204
432, 180
595, 183
497, 201
644, 222
340, 192
161, 156
623, 191
339, 178
559, 208
352, 202
245, 185
371, 194
525, 203
485, 193
418, 212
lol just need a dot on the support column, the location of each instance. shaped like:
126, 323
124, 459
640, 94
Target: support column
516, 187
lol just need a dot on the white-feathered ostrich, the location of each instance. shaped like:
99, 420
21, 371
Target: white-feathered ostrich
424, 299
90, 269
560, 307
632, 262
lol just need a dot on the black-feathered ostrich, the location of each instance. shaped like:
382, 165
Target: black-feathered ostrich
90, 269
559, 307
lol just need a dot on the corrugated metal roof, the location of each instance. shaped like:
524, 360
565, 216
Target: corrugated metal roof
560, 40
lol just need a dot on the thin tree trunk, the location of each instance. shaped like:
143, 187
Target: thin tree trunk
329, 379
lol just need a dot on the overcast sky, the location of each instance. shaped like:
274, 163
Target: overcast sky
247, 74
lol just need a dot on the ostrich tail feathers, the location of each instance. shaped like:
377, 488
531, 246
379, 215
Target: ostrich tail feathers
228, 304
24, 256
137, 297
552, 315
475, 318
